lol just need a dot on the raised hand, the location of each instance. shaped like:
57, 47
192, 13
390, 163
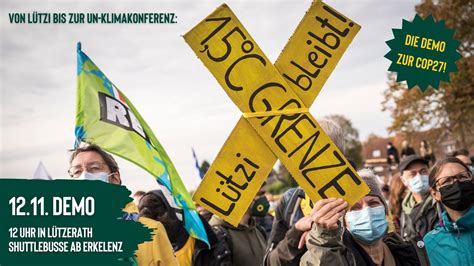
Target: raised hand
326, 212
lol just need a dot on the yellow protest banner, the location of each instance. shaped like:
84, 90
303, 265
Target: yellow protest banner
281, 120
314, 50
236, 175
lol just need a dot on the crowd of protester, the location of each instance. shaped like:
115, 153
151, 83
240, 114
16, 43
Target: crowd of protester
423, 216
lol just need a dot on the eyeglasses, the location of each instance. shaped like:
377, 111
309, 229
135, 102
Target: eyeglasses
76, 171
449, 180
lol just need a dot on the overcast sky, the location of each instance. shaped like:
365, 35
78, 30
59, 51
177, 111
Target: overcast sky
160, 74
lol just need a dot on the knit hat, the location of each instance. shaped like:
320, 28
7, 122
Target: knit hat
369, 178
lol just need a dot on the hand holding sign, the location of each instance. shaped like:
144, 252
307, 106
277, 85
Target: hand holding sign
326, 212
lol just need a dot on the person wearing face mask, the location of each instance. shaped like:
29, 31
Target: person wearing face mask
292, 214
92, 163
358, 236
420, 213
188, 250
248, 239
451, 243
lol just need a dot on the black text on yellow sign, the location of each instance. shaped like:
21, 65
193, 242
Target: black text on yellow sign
274, 99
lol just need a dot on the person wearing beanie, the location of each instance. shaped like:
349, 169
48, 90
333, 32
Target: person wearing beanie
369, 178
355, 236
292, 222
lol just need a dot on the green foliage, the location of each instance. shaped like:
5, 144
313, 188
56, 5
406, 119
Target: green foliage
278, 188
450, 107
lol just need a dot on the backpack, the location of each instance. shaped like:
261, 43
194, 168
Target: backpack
292, 212
224, 245
222, 249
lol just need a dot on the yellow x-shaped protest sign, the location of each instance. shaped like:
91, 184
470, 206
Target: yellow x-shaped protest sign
274, 100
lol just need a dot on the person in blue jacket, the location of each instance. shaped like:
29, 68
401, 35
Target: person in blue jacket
452, 242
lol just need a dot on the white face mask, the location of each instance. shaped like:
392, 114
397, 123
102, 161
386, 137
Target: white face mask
102, 176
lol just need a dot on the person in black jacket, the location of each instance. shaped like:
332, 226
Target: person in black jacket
407, 150
392, 154
420, 214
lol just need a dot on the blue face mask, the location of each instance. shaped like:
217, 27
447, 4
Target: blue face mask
368, 225
419, 184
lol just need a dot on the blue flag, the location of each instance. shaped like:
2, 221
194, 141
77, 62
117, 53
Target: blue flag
201, 174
